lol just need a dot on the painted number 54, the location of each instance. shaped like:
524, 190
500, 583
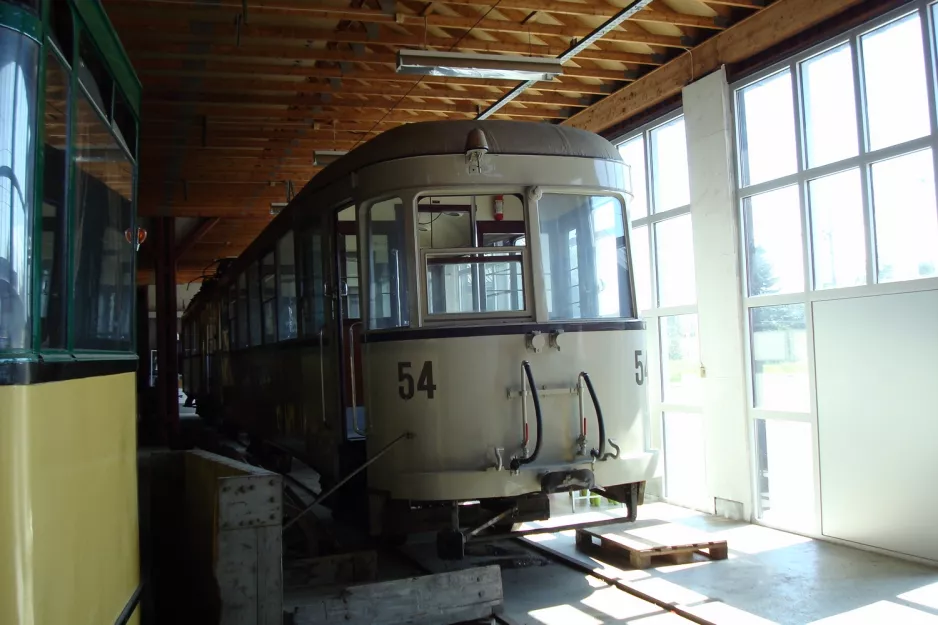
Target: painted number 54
425, 384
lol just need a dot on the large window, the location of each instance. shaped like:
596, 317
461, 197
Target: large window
286, 293
53, 248
18, 62
103, 254
836, 156
666, 290
584, 253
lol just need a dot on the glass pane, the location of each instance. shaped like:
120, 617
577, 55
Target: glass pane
254, 303
242, 311
685, 468
641, 259
674, 247
786, 472
905, 217
314, 304
767, 130
233, 316
669, 166
268, 297
633, 153
352, 301
837, 230
53, 250
18, 60
583, 250
286, 295
680, 360
103, 248
94, 75
450, 281
773, 223
779, 358
829, 107
388, 272
896, 94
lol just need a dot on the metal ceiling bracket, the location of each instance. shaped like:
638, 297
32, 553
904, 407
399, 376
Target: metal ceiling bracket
371, 29
345, 67
358, 49
244, 10
335, 83
571, 52
388, 6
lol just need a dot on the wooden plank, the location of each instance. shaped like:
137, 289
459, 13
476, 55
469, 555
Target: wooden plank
235, 574
757, 33
343, 568
440, 599
269, 575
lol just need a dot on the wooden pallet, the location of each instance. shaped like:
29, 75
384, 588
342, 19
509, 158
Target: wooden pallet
641, 551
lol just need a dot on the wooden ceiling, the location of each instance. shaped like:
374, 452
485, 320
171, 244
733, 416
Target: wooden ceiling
238, 94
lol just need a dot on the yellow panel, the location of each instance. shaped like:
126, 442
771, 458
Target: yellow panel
68, 501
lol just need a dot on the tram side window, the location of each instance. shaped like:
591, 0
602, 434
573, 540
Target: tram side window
53, 247
387, 257
286, 298
349, 290
233, 316
269, 297
103, 254
460, 282
224, 335
311, 283
243, 311
254, 302
584, 257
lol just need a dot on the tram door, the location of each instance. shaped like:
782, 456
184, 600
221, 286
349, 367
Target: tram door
349, 325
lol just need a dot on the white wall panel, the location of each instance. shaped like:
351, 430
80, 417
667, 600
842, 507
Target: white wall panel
877, 389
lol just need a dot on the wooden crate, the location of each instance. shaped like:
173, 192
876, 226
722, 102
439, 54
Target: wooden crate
641, 551
439, 599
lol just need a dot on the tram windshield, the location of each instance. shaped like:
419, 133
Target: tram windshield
583, 257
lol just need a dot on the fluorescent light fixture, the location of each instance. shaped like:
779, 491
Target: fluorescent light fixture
321, 158
276, 207
497, 66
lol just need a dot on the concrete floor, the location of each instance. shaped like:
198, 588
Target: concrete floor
770, 577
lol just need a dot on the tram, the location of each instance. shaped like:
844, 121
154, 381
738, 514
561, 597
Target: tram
451, 302
69, 107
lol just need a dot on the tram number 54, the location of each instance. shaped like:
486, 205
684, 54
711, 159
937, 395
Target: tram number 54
424, 381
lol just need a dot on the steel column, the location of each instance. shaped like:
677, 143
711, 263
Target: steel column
167, 382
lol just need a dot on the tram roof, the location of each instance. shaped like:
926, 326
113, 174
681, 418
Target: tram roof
449, 137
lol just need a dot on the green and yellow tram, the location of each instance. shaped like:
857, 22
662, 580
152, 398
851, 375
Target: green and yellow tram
69, 110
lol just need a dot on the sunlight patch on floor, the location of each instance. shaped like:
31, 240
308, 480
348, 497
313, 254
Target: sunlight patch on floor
619, 605
719, 612
881, 613
563, 615
752, 539
669, 592
926, 596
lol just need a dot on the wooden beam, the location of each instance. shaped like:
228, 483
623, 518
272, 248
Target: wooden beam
304, 9
252, 70
263, 86
757, 33
228, 53
300, 101
171, 27
194, 235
